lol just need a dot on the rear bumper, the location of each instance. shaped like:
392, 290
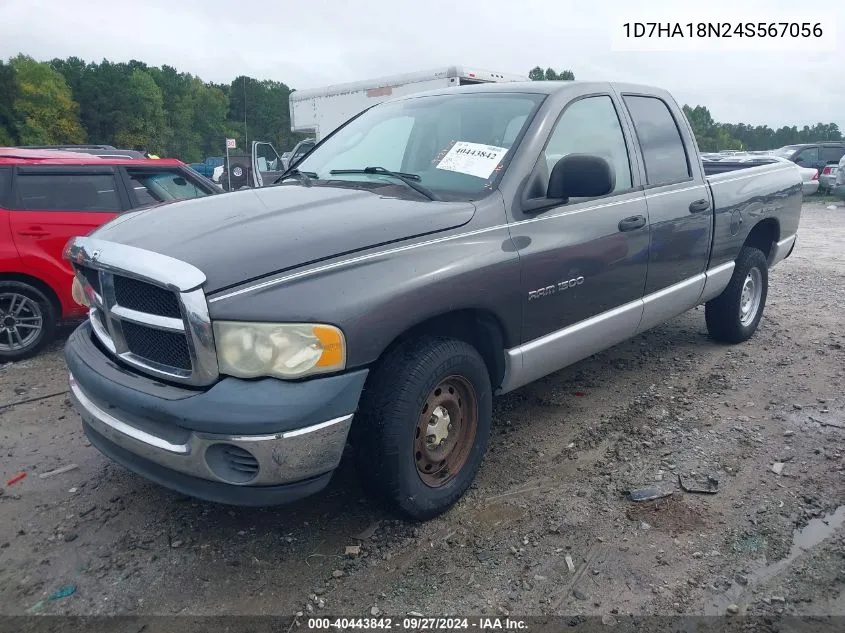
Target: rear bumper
177, 437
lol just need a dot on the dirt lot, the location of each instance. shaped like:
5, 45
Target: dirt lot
547, 529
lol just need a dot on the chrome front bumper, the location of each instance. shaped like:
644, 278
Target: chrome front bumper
276, 459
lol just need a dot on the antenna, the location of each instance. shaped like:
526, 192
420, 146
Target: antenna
246, 137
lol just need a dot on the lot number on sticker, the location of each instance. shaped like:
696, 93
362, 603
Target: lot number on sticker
474, 159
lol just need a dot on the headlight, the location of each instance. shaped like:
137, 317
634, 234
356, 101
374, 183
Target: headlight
78, 292
280, 350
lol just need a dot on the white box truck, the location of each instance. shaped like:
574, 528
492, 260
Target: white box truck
319, 111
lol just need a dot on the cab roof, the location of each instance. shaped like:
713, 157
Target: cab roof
540, 87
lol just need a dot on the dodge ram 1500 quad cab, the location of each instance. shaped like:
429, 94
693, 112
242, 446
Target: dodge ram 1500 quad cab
433, 251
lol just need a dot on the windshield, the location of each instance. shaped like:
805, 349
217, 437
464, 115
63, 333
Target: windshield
785, 152
455, 144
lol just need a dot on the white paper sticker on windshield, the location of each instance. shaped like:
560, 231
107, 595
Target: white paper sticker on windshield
474, 159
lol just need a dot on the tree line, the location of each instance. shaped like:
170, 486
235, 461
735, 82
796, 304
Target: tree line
133, 105
171, 113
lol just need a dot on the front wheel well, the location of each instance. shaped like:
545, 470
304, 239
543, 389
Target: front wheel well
763, 236
479, 328
36, 283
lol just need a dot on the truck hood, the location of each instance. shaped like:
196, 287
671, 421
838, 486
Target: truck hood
244, 235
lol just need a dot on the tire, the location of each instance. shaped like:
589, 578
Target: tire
734, 315
27, 320
426, 384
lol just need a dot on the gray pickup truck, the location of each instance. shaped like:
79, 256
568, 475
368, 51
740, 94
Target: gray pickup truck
434, 251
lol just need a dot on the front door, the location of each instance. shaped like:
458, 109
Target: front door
53, 204
584, 262
267, 165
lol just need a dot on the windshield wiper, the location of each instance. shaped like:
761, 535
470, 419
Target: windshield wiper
305, 176
412, 180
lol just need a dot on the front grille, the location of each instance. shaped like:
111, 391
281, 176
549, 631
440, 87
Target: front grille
144, 297
158, 346
153, 318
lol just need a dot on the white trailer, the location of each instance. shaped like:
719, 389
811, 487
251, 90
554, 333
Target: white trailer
319, 111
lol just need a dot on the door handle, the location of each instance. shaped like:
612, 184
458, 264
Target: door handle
699, 205
34, 231
633, 223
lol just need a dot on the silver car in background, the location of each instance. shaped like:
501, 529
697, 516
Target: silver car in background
839, 185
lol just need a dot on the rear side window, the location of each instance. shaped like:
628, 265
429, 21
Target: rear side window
832, 154
5, 186
152, 186
663, 150
67, 192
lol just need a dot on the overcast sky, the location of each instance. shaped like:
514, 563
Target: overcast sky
310, 44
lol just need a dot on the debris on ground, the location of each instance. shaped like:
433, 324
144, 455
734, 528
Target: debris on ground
709, 487
58, 471
777, 467
353, 550
649, 494
63, 592
570, 564
368, 532
17, 478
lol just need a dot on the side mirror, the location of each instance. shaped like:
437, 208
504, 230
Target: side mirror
575, 176
799, 160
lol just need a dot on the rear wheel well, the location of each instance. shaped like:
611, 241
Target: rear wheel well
36, 283
763, 236
478, 328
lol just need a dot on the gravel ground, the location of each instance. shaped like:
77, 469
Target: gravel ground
547, 529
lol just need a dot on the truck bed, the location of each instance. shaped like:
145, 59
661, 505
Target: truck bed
748, 191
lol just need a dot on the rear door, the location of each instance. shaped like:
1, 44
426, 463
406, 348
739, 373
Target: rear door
679, 207
50, 205
153, 184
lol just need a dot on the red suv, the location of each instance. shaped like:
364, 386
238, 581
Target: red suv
47, 197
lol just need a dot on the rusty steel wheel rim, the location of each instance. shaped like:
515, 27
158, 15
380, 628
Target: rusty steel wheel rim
445, 431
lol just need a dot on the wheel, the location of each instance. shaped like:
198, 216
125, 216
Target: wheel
237, 177
423, 425
733, 316
27, 320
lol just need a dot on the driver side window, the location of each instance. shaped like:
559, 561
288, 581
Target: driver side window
591, 126
809, 155
267, 158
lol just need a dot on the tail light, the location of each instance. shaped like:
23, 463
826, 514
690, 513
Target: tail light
826, 171
816, 175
